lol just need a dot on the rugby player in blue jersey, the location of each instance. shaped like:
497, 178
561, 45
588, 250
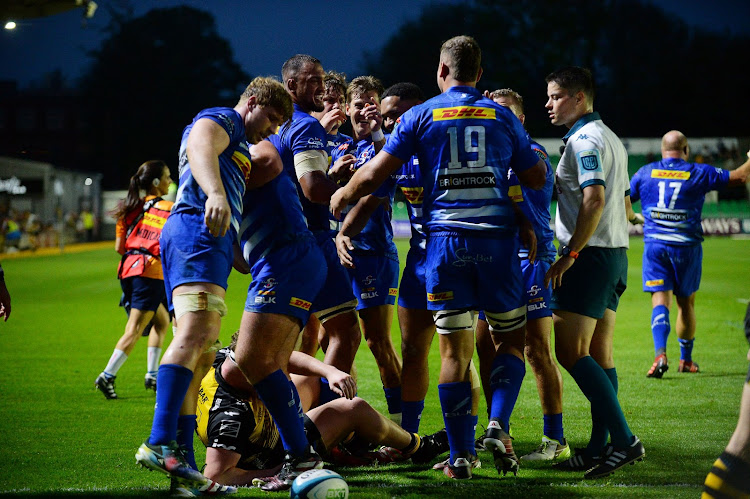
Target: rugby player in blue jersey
370, 255
591, 273
196, 247
331, 117
672, 192
277, 248
465, 144
415, 320
304, 154
535, 261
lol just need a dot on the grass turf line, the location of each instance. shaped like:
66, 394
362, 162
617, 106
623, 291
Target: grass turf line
62, 438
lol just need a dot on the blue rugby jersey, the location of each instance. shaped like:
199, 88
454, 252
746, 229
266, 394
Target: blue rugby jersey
234, 166
334, 141
377, 235
409, 179
465, 144
304, 133
272, 216
535, 204
672, 192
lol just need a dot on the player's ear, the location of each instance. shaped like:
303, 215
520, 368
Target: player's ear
251, 102
291, 84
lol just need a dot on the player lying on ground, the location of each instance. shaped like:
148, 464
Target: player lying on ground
243, 444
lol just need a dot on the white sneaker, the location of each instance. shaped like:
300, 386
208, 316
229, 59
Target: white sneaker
549, 450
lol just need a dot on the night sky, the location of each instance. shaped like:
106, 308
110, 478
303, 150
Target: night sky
264, 33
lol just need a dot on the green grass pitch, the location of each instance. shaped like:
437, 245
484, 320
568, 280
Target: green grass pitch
61, 437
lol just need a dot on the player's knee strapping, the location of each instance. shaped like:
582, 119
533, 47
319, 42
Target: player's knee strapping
325, 315
503, 322
451, 321
198, 301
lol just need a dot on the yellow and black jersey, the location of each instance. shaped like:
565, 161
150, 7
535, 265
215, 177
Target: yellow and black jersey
235, 421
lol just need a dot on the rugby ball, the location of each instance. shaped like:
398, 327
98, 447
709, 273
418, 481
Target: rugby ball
319, 484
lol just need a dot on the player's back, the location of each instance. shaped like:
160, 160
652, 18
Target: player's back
672, 192
465, 144
272, 216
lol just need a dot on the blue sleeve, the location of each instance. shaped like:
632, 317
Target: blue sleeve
228, 119
402, 143
635, 195
524, 157
309, 135
715, 178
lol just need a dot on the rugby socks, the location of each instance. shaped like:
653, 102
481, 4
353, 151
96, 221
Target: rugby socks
506, 377
281, 398
116, 361
411, 415
173, 381
455, 401
186, 425
686, 349
152, 361
597, 387
660, 328
553, 427
599, 430
393, 400
729, 477
326, 394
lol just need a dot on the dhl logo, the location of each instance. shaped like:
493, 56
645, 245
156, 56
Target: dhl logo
446, 295
300, 303
392, 291
153, 220
515, 193
655, 282
415, 195
462, 113
670, 174
536, 300
264, 292
243, 163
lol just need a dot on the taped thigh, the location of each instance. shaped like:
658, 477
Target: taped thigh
503, 322
451, 321
198, 301
325, 315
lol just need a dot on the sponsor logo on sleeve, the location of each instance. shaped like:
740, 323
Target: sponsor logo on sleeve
392, 291
415, 195
243, 163
315, 143
462, 113
589, 161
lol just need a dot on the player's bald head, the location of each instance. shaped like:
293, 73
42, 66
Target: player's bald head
674, 140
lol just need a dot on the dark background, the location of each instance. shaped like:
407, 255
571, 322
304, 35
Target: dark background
106, 94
